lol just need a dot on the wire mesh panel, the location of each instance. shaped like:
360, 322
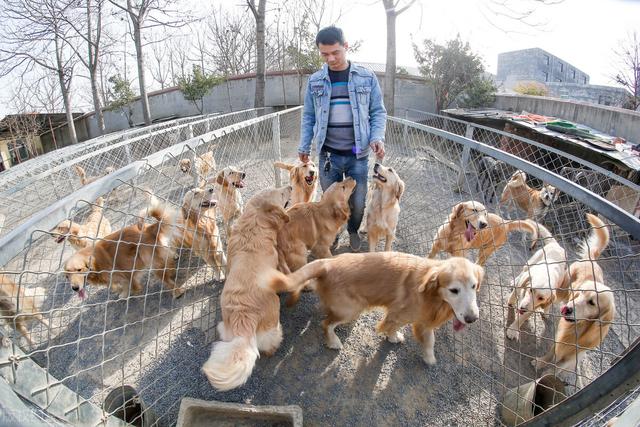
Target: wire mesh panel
157, 343
37, 183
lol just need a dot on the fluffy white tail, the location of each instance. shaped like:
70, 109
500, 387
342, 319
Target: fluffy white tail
231, 362
597, 241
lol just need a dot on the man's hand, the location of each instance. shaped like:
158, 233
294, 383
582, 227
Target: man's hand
378, 149
304, 158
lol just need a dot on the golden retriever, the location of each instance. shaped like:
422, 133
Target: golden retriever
383, 206
122, 258
250, 315
81, 235
205, 165
470, 226
228, 182
587, 316
540, 282
534, 202
412, 289
303, 177
84, 179
313, 226
19, 305
201, 232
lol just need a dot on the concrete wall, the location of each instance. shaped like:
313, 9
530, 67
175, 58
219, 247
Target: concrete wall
595, 94
281, 89
611, 120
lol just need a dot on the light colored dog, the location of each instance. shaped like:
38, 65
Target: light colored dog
250, 315
470, 226
122, 259
540, 283
20, 305
587, 316
303, 177
205, 165
84, 179
412, 289
383, 206
228, 182
534, 202
82, 235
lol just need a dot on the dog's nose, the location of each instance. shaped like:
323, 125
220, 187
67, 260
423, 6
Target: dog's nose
312, 173
470, 318
482, 225
566, 310
244, 175
75, 288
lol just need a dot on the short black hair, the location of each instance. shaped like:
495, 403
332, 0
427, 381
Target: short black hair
330, 35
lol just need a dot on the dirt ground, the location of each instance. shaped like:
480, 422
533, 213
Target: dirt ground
158, 344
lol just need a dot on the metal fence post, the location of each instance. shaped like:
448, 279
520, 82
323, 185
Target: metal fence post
275, 133
464, 161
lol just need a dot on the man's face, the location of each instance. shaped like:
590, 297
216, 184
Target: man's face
335, 55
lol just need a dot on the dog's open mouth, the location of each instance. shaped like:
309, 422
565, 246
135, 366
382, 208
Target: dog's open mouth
470, 231
82, 293
207, 204
379, 177
60, 238
309, 179
521, 311
238, 184
567, 314
458, 325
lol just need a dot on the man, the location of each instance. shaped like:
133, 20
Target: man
344, 114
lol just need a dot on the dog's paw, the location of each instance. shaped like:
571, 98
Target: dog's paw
396, 337
429, 359
334, 343
513, 334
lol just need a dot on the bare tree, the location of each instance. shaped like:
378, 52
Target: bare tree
259, 14
24, 128
34, 35
88, 27
628, 73
160, 66
178, 59
37, 92
392, 9
233, 40
144, 15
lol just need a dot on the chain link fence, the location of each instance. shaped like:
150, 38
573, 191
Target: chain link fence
157, 343
34, 184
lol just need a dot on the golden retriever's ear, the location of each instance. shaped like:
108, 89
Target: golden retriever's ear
479, 275
429, 280
457, 210
399, 188
283, 165
220, 177
341, 213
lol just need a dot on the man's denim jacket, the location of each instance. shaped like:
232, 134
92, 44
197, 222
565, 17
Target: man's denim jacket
369, 114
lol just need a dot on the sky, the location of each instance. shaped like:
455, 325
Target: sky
581, 32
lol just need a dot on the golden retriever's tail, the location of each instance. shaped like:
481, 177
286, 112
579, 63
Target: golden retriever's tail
283, 165
81, 173
231, 362
279, 282
597, 241
527, 226
518, 179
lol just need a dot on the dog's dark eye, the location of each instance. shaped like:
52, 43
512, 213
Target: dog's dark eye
78, 269
540, 298
390, 170
454, 291
591, 302
474, 210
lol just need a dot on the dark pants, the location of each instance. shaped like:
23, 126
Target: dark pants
347, 166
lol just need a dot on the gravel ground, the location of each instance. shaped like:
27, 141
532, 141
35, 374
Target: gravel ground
158, 344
